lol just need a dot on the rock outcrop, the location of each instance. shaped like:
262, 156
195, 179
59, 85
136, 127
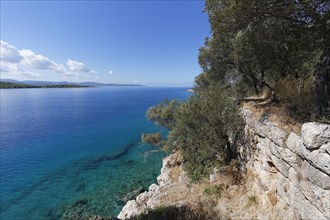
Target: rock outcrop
286, 176
171, 172
173, 190
294, 168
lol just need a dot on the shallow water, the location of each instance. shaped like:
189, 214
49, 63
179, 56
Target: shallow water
69, 153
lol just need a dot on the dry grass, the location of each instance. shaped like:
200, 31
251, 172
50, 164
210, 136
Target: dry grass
251, 200
275, 114
294, 104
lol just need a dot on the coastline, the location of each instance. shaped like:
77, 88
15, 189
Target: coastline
172, 191
272, 154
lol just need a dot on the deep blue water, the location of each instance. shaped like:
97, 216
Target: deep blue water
69, 153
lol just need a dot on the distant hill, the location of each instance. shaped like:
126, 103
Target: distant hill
48, 83
12, 85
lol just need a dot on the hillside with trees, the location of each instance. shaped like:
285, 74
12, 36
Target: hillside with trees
10, 85
274, 51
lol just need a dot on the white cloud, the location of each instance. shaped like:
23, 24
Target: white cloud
21, 74
136, 81
27, 63
77, 67
8, 67
9, 53
110, 72
40, 62
3, 69
31, 75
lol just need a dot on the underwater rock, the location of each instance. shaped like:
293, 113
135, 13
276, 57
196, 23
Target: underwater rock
77, 210
130, 195
98, 217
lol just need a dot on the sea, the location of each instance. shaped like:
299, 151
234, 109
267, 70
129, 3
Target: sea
71, 153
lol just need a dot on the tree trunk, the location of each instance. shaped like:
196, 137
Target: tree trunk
321, 85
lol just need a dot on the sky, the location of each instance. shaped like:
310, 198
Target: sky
145, 42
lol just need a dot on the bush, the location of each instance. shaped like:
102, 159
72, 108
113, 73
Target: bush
252, 200
203, 126
297, 99
200, 128
163, 114
152, 139
214, 190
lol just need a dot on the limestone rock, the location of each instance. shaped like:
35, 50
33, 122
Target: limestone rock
131, 209
316, 177
153, 190
315, 135
276, 134
272, 197
294, 142
325, 148
289, 173
289, 157
141, 199
319, 160
282, 166
317, 196
213, 178
164, 177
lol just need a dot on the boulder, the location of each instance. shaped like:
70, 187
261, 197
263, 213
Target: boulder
282, 166
131, 209
319, 160
314, 135
294, 142
310, 173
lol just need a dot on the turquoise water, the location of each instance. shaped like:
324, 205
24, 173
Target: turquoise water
72, 153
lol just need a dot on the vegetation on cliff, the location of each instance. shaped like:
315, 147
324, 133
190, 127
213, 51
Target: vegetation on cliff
282, 47
152, 139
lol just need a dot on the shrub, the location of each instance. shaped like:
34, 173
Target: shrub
152, 139
252, 200
298, 101
203, 127
163, 114
200, 127
214, 190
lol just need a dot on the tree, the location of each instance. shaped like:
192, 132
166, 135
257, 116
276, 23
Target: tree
257, 43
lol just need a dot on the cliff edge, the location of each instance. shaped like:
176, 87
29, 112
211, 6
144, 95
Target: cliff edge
285, 175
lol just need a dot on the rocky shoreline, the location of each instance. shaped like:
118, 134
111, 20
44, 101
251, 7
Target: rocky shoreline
286, 176
154, 196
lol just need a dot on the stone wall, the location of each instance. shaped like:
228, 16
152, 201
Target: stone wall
292, 168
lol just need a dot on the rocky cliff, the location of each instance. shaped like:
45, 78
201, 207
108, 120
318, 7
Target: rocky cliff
286, 176
294, 168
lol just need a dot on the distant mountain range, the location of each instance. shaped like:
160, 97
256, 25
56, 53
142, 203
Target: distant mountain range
49, 83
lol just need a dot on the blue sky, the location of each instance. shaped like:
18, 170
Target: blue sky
149, 42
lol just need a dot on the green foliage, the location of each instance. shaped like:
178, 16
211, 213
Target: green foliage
214, 190
200, 128
8, 85
252, 200
152, 139
203, 126
163, 114
256, 43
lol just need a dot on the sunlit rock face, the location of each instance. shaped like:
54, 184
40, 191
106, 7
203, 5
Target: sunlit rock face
286, 176
296, 167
